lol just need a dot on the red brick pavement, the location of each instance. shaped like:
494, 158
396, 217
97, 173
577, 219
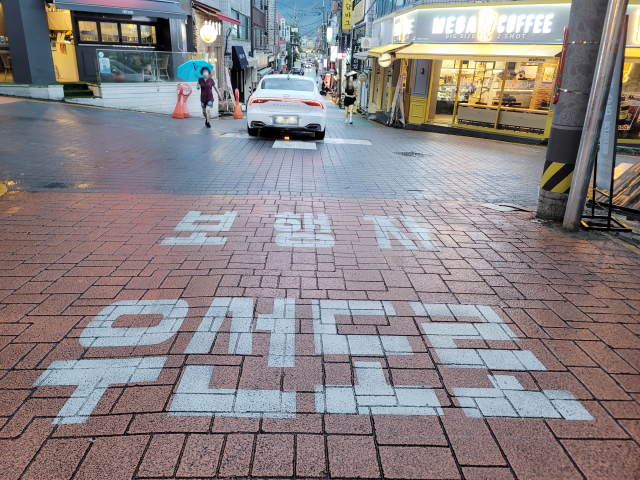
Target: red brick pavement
574, 302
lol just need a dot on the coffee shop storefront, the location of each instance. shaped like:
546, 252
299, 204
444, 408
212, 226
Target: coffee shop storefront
488, 68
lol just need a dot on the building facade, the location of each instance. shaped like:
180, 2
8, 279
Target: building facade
490, 67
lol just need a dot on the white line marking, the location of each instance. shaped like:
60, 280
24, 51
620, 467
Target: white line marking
345, 141
294, 144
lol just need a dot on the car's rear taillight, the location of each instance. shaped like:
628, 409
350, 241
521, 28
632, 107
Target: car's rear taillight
259, 100
313, 103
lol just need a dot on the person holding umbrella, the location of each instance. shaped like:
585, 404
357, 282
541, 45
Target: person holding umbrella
201, 71
206, 84
349, 97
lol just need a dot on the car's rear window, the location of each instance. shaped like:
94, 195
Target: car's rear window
287, 83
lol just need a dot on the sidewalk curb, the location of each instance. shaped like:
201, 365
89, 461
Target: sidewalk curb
622, 243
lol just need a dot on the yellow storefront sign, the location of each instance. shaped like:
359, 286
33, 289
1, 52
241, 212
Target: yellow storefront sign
347, 8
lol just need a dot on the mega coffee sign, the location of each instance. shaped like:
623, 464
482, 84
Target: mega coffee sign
530, 24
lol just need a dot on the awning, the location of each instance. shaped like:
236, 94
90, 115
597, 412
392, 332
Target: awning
239, 58
265, 71
632, 54
221, 16
392, 47
142, 8
479, 51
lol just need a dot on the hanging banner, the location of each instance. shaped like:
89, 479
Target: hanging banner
347, 7
345, 42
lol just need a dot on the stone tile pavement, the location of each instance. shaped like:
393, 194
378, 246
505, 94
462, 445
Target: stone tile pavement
57, 147
199, 336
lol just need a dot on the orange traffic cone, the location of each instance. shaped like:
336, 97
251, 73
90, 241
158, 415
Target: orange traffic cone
177, 112
237, 113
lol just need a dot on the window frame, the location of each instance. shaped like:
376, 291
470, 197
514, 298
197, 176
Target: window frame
118, 22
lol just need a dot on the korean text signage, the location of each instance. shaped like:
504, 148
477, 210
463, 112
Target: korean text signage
530, 24
346, 14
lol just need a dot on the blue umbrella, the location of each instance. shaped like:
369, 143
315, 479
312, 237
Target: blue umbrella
190, 71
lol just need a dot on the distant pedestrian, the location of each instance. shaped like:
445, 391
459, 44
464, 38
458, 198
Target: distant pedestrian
206, 85
349, 98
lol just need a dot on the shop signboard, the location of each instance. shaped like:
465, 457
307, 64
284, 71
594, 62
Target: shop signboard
358, 12
382, 33
210, 31
346, 14
345, 42
541, 24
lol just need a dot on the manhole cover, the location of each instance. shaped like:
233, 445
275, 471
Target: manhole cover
412, 154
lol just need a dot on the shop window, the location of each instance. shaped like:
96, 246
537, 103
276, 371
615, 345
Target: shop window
109, 32
129, 32
628, 127
241, 31
447, 87
148, 33
88, 31
504, 95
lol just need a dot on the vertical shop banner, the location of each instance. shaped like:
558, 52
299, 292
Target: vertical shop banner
345, 42
606, 152
347, 7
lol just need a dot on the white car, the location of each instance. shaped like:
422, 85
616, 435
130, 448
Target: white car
287, 103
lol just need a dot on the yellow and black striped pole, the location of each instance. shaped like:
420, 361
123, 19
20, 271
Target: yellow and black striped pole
557, 177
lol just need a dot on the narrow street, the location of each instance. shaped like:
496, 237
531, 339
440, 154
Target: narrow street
183, 302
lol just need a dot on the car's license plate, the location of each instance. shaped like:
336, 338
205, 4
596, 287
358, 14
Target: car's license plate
282, 120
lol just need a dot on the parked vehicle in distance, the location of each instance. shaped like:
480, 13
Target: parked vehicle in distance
287, 103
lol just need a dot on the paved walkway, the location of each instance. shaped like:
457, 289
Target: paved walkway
162, 335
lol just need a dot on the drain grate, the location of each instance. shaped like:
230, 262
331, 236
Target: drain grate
55, 185
412, 154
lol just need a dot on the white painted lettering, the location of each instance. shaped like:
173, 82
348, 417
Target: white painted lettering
511, 23
282, 325
520, 22
289, 224
460, 24
190, 223
101, 333
240, 338
92, 377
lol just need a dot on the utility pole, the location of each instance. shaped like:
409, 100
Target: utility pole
612, 35
586, 23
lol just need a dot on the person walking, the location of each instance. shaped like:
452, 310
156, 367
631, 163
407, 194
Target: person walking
206, 84
349, 97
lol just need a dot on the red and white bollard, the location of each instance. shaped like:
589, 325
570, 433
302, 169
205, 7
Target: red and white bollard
177, 112
186, 91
